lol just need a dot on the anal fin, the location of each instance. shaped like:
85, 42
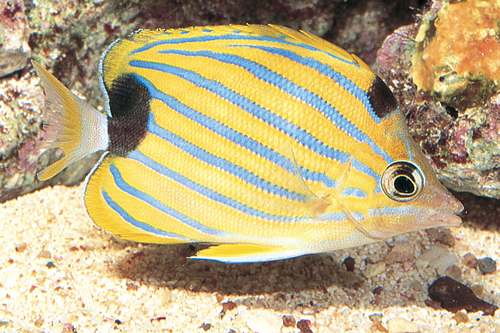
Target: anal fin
247, 253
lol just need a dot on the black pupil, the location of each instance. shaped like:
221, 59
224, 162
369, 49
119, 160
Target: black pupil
404, 185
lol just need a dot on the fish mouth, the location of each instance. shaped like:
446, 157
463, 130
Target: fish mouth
448, 214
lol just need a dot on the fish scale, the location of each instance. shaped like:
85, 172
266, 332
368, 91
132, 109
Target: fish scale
264, 142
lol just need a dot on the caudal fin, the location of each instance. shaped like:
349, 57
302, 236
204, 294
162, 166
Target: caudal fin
71, 124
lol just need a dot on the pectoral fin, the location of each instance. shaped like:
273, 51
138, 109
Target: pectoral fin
343, 180
247, 253
296, 182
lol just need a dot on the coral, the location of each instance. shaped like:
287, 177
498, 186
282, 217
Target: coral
457, 56
455, 118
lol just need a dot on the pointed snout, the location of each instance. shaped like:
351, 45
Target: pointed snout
449, 211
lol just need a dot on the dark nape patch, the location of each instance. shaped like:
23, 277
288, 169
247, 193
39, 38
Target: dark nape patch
381, 98
129, 103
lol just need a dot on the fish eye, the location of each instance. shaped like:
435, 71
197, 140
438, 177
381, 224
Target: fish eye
402, 181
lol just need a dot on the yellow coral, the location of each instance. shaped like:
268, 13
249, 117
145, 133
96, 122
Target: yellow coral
458, 53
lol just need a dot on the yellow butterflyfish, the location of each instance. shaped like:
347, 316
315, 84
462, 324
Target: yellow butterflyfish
264, 142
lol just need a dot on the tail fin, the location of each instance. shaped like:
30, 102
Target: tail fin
71, 124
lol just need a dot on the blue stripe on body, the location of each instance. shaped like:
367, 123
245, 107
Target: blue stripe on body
141, 225
234, 136
299, 92
272, 119
124, 186
220, 163
354, 191
207, 192
367, 170
324, 69
335, 216
209, 38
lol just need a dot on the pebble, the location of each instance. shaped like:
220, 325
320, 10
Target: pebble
303, 326
376, 319
264, 322
374, 270
454, 272
439, 258
288, 321
487, 265
206, 326
349, 264
470, 260
415, 285
400, 325
478, 290
401, 252
461, 317
442, 235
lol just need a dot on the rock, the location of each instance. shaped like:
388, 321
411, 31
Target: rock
487, 265
14, 35
451, 99
400, 325
455, 296
359, 31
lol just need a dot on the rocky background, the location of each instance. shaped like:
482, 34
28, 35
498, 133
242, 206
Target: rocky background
450, 100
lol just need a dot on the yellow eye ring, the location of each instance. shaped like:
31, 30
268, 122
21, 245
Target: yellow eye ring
402, 181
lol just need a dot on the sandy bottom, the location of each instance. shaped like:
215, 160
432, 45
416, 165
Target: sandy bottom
59, 273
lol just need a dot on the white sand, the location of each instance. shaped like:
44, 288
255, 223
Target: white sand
102, 284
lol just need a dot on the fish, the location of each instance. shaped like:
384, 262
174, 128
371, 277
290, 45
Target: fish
261, 142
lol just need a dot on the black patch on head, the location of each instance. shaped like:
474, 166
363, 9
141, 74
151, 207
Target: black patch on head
381, 98
129, 103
